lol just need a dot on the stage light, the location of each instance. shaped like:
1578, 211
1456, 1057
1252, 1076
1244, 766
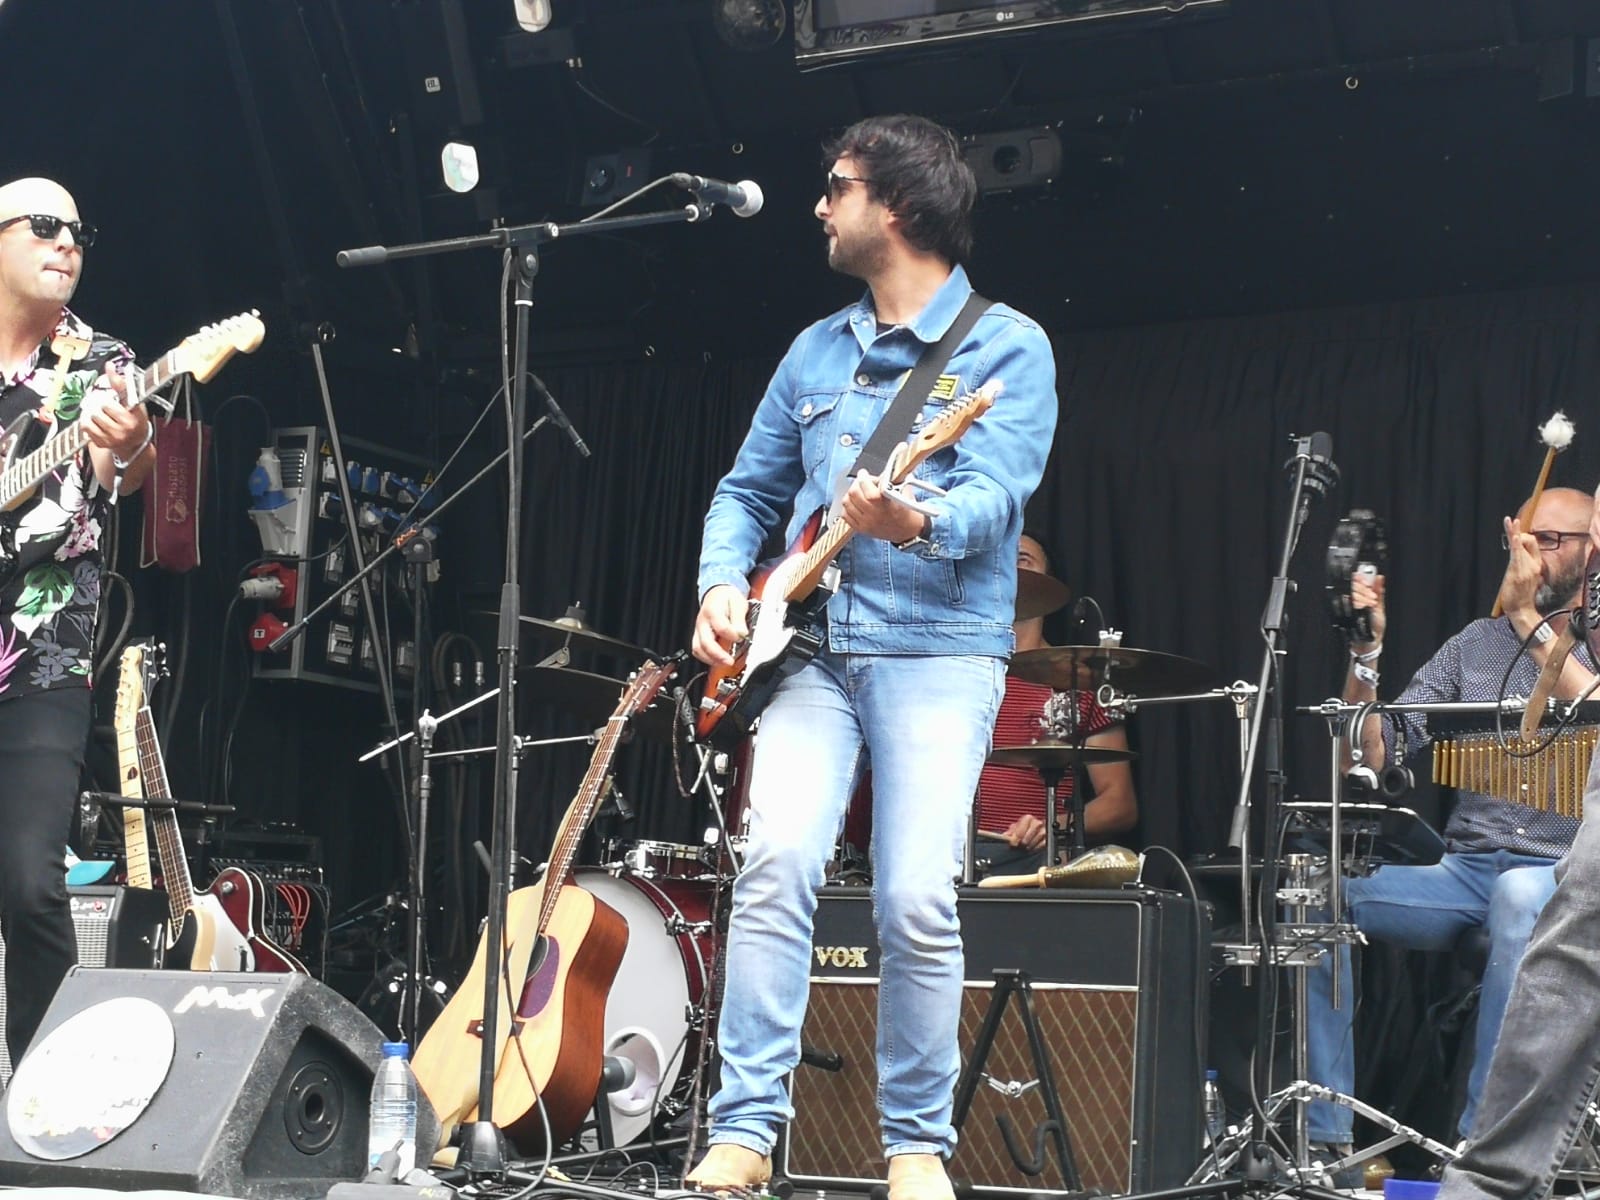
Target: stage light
1019, 158
459, 162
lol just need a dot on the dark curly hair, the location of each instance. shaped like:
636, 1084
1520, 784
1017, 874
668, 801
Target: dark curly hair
914, 167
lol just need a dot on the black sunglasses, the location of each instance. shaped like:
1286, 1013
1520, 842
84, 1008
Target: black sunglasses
47, 227
836, 183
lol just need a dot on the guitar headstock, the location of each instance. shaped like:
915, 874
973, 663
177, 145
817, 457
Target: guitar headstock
643, 685
950, 425
141, 666
203, 353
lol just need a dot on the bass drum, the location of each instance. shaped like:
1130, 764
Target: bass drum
664, 971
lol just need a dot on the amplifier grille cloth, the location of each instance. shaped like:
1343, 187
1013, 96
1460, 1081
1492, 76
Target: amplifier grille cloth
1089, 1034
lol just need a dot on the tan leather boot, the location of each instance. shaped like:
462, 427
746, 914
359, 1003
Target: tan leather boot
729, 1170
919, 1177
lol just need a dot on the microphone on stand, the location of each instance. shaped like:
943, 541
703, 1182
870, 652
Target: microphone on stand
1316, 451
744, 197
559, 417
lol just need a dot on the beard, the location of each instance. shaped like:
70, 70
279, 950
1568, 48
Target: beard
1561, 591
860, 256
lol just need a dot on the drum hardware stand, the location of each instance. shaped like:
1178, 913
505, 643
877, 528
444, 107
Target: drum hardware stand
1241, 693
1009, 981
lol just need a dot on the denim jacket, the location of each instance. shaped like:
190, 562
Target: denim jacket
957, 594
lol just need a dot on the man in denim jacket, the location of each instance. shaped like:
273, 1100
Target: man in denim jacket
913, 668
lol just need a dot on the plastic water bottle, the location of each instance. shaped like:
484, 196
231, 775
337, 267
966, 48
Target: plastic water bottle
393, 1115
1216, 1113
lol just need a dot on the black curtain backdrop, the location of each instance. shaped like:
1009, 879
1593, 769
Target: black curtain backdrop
1165, 497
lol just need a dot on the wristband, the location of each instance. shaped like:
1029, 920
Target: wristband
1369, 656
1542, 633
1365, 674
149, 436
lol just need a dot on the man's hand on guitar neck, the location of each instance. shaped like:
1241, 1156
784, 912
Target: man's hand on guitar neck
115, 429
872, 512
719, 625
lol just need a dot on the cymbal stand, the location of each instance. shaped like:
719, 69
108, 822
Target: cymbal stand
1242, 694
1066, 727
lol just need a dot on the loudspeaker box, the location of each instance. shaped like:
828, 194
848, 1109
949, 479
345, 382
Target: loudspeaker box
259, 1086
1115, 983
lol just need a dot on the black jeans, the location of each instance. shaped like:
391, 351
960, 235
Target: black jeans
42, 740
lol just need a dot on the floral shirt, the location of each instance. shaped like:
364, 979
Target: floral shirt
50, 544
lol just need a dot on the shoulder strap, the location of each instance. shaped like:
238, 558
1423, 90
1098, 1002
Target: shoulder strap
907, 403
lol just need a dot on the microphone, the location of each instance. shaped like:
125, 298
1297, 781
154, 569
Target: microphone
1316, 452
362, 256
744, 197
559, 417
617, 1072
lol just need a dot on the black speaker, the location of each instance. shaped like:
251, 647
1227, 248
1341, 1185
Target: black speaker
116, 927
1114, 977
266, 1094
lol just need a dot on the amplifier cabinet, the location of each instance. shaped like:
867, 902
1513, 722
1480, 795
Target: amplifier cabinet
1115, 987
116, 927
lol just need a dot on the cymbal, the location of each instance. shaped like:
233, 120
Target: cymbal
592, 698
1038, 594
1048, 754
577, 634
1137, 672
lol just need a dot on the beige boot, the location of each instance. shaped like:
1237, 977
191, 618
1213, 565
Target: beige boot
919, 1177
730, 1170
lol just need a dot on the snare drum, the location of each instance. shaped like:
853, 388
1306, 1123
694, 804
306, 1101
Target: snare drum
664, 971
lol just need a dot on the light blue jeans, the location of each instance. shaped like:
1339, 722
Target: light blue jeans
1426, 908
924, 723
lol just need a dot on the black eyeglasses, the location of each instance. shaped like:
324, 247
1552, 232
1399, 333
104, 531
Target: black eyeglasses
1548, 539
837, 181
47, 227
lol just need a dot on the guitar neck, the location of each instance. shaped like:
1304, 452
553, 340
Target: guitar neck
578, 815
169, 839
135, 838
816, 560
64, 446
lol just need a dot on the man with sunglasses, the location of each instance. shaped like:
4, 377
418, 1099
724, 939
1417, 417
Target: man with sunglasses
54, 370
918, 633
1497, 871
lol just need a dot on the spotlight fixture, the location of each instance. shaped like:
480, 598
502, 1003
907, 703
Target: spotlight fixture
459, 162
1019, 158
749, 25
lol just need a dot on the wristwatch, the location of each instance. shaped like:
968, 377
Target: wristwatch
920, 538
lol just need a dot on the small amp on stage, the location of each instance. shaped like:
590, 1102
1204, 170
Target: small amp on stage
1114, 986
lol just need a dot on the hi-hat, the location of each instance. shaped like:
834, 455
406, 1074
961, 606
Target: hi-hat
1136, 672
1051, 755
574, 633
1039, 594
591, 698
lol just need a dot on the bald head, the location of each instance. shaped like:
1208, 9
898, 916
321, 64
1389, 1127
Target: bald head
1564, 509
36, 195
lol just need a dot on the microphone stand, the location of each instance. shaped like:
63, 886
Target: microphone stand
1313, 475
483, 1149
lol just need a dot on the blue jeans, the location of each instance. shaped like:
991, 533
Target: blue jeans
1426, 908
924, 725
1547, 1067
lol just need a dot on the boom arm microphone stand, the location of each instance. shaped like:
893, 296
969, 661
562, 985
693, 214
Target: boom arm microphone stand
483, 1151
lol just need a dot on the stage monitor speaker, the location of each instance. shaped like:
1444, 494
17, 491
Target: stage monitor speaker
116, 927
266, 1094
1115, 987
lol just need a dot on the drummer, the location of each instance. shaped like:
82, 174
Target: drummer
1011, 800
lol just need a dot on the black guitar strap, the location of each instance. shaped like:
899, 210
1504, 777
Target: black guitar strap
907, 403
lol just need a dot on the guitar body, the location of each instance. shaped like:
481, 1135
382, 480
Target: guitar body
447, 1062
207, 940
784, 636
243, 897
557, 1040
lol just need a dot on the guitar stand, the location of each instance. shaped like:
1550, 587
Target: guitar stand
1007, 982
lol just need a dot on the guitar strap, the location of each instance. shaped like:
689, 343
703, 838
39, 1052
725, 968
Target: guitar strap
896, 421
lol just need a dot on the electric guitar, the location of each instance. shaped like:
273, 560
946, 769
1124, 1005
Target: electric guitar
561, 952
31, 453
788, 598
219, 929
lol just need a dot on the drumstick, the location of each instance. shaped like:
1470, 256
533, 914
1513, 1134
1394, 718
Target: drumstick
1556, 434
991, 835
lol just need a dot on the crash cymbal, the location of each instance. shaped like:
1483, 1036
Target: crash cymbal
574, 632
591, 698
1049, 754
1136, 672
1038, 594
